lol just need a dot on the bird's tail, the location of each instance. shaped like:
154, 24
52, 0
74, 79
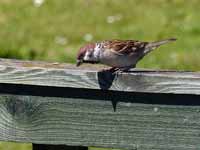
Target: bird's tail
152, 45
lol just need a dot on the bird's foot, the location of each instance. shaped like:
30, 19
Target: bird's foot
110, 70
116, 71
121, 70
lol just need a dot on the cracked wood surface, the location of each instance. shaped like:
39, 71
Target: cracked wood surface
89, 77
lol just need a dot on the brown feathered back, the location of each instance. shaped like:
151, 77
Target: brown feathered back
125, 46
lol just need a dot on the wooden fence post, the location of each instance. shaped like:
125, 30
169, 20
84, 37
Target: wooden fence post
62, 107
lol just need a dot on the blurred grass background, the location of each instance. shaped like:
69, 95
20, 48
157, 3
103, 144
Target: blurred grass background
54, 30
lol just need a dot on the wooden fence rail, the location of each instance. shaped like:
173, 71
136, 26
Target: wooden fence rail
53, 105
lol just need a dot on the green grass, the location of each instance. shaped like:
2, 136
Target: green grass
20, 146
55, 30
14, 146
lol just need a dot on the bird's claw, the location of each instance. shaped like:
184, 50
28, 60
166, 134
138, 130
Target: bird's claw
116, 71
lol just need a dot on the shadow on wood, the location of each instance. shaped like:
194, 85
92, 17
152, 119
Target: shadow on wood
105, 79
57, 147
102, 95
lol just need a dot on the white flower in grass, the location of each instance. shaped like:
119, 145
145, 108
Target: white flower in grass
38, 3
174, 57
61, 40
88, 37
112, 19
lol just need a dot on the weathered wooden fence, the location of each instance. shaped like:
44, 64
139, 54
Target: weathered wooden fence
53, 105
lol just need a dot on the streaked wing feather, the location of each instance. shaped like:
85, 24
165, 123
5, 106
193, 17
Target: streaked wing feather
125, 47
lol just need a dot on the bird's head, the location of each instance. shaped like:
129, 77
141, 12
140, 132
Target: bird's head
86, 54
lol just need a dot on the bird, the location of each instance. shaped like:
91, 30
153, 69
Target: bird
120, 55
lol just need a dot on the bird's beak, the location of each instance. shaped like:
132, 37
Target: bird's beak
79, 62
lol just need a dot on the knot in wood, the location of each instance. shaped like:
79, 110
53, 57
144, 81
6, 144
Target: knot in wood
19, 108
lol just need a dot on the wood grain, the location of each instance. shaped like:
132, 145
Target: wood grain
72, 121
59, 104
65, 75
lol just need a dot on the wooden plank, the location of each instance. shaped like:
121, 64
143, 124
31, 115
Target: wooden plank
65, 75
57, 147
51, 103
78, 121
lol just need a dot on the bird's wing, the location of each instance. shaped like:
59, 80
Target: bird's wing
125, 47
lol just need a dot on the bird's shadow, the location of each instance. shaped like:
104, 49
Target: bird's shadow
106, 77
105, 80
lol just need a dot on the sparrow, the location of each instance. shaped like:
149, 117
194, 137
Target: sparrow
119, 54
